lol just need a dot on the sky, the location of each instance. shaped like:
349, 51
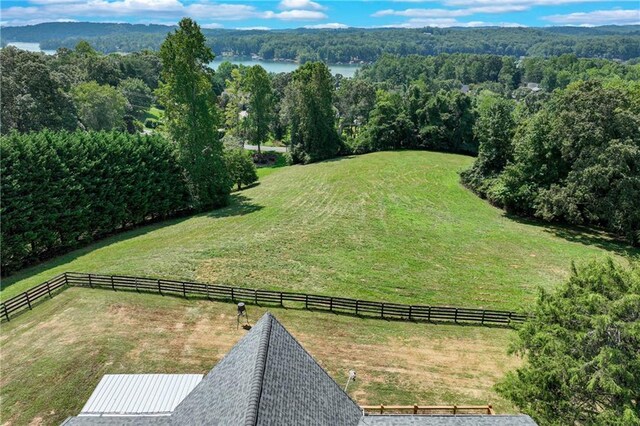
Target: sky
247, 14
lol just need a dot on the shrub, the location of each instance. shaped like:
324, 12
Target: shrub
240, 166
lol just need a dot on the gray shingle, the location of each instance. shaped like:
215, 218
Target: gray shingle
298, 391
447, 420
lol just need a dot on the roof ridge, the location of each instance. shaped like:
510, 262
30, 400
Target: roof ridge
255, 393
314, 360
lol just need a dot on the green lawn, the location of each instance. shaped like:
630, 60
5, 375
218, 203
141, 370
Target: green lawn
52, 358
394, 226
154, 114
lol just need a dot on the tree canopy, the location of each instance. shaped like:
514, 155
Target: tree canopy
191, 112
580, 346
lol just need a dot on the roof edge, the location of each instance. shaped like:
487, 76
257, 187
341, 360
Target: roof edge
255, 393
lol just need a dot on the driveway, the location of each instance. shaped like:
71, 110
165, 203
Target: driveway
266, 148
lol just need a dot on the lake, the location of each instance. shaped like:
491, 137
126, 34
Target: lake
278, 67
270, 66
31, 47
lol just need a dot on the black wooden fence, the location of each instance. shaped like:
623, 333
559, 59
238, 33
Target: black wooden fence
32, 296
255, 296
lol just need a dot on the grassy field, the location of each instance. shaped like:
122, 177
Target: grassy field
53, 357
393, 226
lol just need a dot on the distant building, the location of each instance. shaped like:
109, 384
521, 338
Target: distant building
267, 378
534, 87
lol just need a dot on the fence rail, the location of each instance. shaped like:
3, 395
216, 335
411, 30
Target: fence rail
32, 296
256, 296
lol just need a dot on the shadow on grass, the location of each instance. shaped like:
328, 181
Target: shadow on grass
239, 205
582, 235
340, 158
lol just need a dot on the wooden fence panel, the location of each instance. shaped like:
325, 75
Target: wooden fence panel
237, 294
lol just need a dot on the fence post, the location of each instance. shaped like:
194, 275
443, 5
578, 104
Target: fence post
382, 310
184, 290
48, 289
410, 314
455, 316
66, 278
137, 286
233, 299
510, 317
357, 303
255, 296
483, 312
306, 301
160, 288
90, 283
281, 300
28, 301
331, 304
428, 313
455, 409
6, 313
381, 409
113, 285
415, 408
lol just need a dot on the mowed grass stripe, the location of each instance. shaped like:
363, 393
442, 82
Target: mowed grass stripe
392, 226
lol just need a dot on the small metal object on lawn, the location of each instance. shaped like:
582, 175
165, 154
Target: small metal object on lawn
352, 377
242, 312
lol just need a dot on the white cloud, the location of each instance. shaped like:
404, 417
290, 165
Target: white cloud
300, 5
150, 9
447, 13
329, 25
420, 13
295, 15
212, 26
598, 17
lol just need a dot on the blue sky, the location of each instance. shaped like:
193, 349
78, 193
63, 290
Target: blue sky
327, 14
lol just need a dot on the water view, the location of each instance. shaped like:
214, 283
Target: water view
271, 66
278, 67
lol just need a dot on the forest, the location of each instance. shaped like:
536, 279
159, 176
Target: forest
347, 45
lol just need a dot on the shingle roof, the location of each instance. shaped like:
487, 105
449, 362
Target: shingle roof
268, 378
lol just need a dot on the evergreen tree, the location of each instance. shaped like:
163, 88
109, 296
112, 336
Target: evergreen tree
191, 113
581, 350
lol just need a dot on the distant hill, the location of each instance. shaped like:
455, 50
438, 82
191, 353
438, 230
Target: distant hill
347, 45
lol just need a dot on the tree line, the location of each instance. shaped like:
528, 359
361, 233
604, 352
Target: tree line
352, 44
64, 189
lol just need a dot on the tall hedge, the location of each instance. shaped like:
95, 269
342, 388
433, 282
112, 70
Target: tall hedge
61, 189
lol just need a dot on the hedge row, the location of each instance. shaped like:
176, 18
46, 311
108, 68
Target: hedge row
61, 189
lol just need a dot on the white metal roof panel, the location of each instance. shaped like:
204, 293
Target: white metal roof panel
139, 394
